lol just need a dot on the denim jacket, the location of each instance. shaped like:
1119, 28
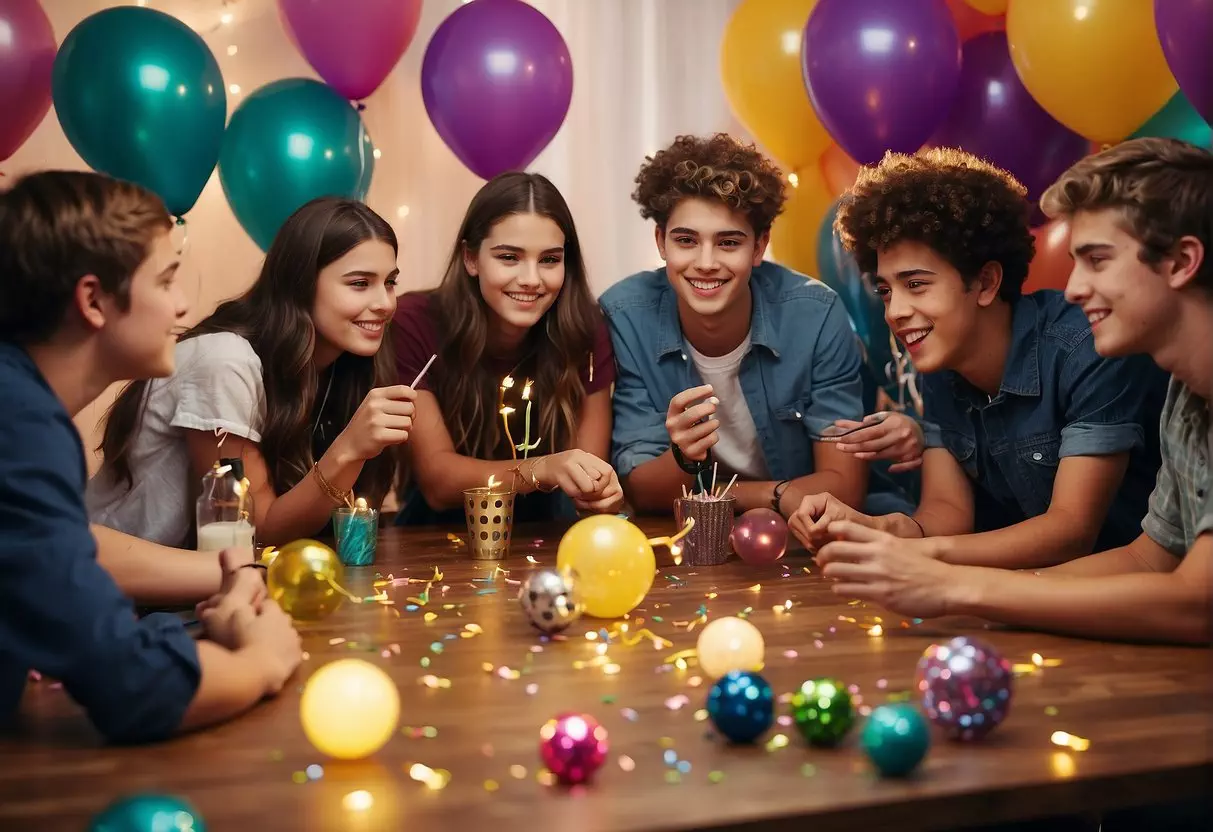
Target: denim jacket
801, 373
1058, 398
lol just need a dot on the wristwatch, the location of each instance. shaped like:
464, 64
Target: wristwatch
689, 465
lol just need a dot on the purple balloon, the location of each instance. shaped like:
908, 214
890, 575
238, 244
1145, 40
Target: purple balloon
996, 118
1185, 28
497, 80
760, 536
27, 59
966, 687
352, 47
881, 74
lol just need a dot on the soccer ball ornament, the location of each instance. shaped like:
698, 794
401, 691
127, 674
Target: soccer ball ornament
550, 599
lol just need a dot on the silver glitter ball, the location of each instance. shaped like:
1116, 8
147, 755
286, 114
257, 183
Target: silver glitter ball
550, 599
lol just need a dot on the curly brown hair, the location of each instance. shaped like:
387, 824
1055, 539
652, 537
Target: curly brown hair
717, 167
967, 210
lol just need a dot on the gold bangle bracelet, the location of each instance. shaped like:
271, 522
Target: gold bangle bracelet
339, 497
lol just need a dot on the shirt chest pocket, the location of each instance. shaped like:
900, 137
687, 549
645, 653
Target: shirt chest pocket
963, 448
793, 441
1036, 461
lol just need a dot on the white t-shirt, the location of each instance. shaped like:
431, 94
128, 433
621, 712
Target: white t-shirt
737, 451
217, 385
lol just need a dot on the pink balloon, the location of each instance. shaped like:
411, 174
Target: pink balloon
27, 58
760, 536
352, 46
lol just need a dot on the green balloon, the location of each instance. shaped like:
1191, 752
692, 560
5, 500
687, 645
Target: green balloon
140, 97
290, 142
1178, 120
148, 813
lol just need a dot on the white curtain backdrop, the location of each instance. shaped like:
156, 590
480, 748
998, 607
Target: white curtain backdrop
644, 72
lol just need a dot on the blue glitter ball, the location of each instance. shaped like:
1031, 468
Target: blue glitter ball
741, 705
148, 813
895, 738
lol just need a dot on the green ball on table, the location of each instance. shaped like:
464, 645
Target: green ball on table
823, 711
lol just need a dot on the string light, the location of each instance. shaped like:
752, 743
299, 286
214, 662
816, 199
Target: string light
226, 18
232, 50
377, 153
234, 89
402, 211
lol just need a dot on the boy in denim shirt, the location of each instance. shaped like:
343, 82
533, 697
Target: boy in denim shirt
723, 359
1038, 449
1141, 230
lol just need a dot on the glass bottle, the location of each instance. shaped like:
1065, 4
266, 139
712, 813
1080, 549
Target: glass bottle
225, 508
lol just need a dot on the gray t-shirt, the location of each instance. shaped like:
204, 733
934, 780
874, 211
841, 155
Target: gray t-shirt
1181, 506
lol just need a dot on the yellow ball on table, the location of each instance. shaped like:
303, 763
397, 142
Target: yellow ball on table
730, 644
349, 709
614, 562
301, 579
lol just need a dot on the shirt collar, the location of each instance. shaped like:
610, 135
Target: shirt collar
669, 335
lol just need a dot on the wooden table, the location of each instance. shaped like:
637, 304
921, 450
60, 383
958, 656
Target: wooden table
1146, 711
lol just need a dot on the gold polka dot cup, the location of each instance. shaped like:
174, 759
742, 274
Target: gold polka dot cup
490, 518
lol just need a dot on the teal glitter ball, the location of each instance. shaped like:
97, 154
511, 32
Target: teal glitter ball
823, 711
148, 813
895, 738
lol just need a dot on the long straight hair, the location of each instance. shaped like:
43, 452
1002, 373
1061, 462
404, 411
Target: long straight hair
275, 317
558, 346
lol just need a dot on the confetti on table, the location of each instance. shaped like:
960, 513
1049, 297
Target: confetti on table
790, 654
333, 642
314, 772
629, 714
701, 715
627, 763
876, 631
491, 785
676, 703
776, 742
518, 772
531, 559
808, 770
1070, 741
434, 779
1051, 710
532, 689
435, 682
756, 588
715, 776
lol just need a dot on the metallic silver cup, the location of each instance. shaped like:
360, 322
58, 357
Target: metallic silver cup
707, 544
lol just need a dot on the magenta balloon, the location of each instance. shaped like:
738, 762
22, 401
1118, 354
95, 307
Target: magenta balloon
27, 58
881, 74
351, 45
760, 536
1185, 29
497, 80
995, 117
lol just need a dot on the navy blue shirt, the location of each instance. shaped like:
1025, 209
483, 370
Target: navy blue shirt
1058, 398
60, 612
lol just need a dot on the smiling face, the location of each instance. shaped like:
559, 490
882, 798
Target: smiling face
520, 269
927, 305
709, 252
355, 298
1128, 303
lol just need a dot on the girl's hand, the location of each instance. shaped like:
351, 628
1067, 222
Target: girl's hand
384, 418
608, 501
578, 474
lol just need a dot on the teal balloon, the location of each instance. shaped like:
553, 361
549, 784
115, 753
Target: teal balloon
140, 97
1178, 119
895, 738
288, 143
148, 813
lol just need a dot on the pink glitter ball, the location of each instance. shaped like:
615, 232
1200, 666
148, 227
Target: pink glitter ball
573, 746
966, 687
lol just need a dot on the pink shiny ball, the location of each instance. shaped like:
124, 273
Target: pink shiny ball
760, 536
966, 687
573, 747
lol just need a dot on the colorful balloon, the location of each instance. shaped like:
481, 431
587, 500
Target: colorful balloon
304, 578
140, 97
760, 536
792, 241
1098, 68
27, 61
996, 118
760, 68
881, 74
970, 23
823, 711
838, 170
1185, 31
730, 643
352, 49
614, 563
966, 687
895, 738
1051, 265
573, 746
1178, 120
497, 79
989, 7
289, 142
148, 813
349, 709
741, 706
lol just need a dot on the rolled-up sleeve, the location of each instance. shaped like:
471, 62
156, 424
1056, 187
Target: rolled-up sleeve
1163, 522
1110, 402
62, 614
837, 391
638, 434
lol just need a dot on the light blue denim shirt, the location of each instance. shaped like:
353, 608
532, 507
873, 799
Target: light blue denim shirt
800, 374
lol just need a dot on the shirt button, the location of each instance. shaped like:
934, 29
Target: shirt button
798, 414
1038, 456
684, 356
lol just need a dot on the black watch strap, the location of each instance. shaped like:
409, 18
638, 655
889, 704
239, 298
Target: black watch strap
689, 465
777, 495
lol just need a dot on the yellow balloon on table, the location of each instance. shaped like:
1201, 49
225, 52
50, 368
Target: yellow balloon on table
614, 562
303, 579
1095, 65
990, 7
764, 83
349, 709
730, 643
794, 234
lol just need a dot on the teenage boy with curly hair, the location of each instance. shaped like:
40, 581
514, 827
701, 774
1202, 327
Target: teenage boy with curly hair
1042, 447
723, 358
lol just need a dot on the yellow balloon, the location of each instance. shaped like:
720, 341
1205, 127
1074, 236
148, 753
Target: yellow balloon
991, 7
729, 644
614, 563
794, 234
349, 709
1095, 65
301, 579
764, 83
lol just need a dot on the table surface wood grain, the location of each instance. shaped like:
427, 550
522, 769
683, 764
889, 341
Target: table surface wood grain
1147, 711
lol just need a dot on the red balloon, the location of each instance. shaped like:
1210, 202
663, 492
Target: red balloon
970, 22
760, 536
1051, 267
27, 58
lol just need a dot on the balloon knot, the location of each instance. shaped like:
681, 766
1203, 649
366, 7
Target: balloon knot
360, 106
180, 220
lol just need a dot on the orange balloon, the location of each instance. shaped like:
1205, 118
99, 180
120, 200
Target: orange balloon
794, 234
1052, 264
838, 169
970, 22
991, 7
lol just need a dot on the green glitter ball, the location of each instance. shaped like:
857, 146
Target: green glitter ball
823, 711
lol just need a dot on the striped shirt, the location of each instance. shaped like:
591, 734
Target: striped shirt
1181, 506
